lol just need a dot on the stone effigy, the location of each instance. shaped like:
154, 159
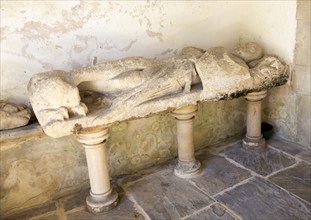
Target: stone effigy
135, 87
88, 100
13, 115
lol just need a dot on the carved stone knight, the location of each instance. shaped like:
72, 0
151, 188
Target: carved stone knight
137, 86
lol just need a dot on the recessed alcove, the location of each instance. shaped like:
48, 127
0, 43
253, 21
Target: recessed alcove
38, 171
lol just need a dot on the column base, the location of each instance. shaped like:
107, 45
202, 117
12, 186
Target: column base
254, 143
187, 169
97, 204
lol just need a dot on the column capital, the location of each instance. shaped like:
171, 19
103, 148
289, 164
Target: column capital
92, 135
185, 112
256, 96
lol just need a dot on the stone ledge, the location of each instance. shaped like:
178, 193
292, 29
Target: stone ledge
9, 138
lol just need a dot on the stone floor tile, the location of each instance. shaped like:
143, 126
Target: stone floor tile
305, 155
287, 147
165, 196
296, 180
168, 165
218, 174
125, 210
263, 161
292, 149
215, 212
260, 199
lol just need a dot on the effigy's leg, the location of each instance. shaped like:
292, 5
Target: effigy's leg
102, 197
254, 138
187, 166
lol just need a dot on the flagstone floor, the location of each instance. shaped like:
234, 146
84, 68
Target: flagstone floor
235, 183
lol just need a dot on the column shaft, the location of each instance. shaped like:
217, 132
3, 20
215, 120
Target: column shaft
253, 138
253, 119
187, 166
98, 168
185, 140
102, 198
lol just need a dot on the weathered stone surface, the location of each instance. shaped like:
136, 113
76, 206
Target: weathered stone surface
260, 199
125, 210
303, 10
301, 79
165, 196
268, 67
304, 120
305, 155
296, 180
279, 110
303, 43
74, 201
39, 170
219, 71
13, 116
42, 210
215, 212
292, 149
218, 174
47, 216
288, 147
248, 52
145, 86
155, 135
263, 161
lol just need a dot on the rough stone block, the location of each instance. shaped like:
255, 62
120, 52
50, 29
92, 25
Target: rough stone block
260, 199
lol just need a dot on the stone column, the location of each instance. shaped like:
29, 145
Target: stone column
254, 138
187, 166
102, 198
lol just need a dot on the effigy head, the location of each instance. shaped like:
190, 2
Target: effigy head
248, 52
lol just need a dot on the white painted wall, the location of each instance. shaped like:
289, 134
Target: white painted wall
273, 25
38, 36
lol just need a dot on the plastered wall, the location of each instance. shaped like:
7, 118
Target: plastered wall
288, 107
38, 36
